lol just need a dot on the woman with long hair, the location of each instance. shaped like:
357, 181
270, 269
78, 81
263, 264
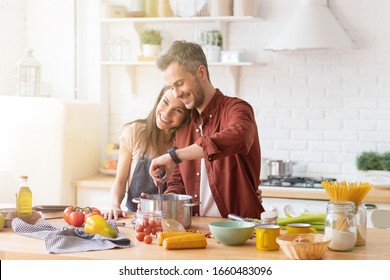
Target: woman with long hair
141, 141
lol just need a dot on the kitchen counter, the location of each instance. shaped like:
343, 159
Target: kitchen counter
378, 194
14, 246
375, 195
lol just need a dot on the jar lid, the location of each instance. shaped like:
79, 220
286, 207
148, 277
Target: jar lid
342, 202
269, 215
172, 225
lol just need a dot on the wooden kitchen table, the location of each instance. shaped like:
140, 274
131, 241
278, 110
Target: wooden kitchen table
15, 247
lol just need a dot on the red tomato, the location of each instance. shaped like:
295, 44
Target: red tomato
90, 211
140, 236
148, 230
148, 239
86, 216
140, 228
152, 223
76, 218
67, 212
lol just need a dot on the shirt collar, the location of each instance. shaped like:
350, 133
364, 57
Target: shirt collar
210, 109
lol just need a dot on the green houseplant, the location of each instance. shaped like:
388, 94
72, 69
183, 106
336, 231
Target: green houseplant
212, 44
151, 37
151, 40
369, 161
373, 161
212, 38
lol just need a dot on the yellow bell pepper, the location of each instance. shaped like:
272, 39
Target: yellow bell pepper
96, 224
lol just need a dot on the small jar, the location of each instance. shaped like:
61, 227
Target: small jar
340, 225
361, 223
148, 222
269, 218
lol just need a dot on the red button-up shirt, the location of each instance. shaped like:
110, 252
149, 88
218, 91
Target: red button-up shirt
232, 155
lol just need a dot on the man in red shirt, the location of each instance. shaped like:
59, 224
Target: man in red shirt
216, 158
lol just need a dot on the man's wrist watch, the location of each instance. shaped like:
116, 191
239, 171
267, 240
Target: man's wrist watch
172, 153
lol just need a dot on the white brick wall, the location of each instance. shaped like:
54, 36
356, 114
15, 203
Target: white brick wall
12, 42
320, 109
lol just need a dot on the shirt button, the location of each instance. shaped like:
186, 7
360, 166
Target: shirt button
195, 195
197, 173
209, 158
211, 116
197, 130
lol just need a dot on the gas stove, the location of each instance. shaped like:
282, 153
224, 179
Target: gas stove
294, 182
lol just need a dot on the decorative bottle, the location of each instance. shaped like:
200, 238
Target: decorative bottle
24, 200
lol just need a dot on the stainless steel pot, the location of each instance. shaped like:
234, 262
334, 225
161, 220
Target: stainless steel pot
173, 206
280, 167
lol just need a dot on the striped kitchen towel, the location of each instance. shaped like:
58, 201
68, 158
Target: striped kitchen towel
69, 240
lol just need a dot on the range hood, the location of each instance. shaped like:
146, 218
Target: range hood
312, 27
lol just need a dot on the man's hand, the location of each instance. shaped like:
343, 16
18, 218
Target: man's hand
160, 164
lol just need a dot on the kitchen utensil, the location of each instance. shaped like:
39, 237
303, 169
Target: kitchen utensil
174, 206
303, 246
161, 185
232, 233
300, 228
266, 237
239, 218
280, 167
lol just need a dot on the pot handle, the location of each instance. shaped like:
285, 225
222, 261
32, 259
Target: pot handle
191, 204
136, 200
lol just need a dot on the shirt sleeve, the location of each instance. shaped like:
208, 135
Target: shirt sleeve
126, 139
237, 133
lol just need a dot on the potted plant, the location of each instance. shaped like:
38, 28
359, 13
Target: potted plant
369, 161
151, 40
375, 166
212, 44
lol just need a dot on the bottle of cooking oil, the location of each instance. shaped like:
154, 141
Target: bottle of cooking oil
24, 200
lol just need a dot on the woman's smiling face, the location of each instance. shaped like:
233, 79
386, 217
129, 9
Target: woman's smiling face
170, 111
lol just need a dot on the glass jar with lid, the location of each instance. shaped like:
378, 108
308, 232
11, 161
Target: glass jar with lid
269, 218
148, 223
341, 225
361, 223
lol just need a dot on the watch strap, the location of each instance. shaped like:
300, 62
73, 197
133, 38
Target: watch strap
172, 153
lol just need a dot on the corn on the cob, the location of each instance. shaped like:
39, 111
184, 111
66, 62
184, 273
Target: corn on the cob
194, 241
166, 234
